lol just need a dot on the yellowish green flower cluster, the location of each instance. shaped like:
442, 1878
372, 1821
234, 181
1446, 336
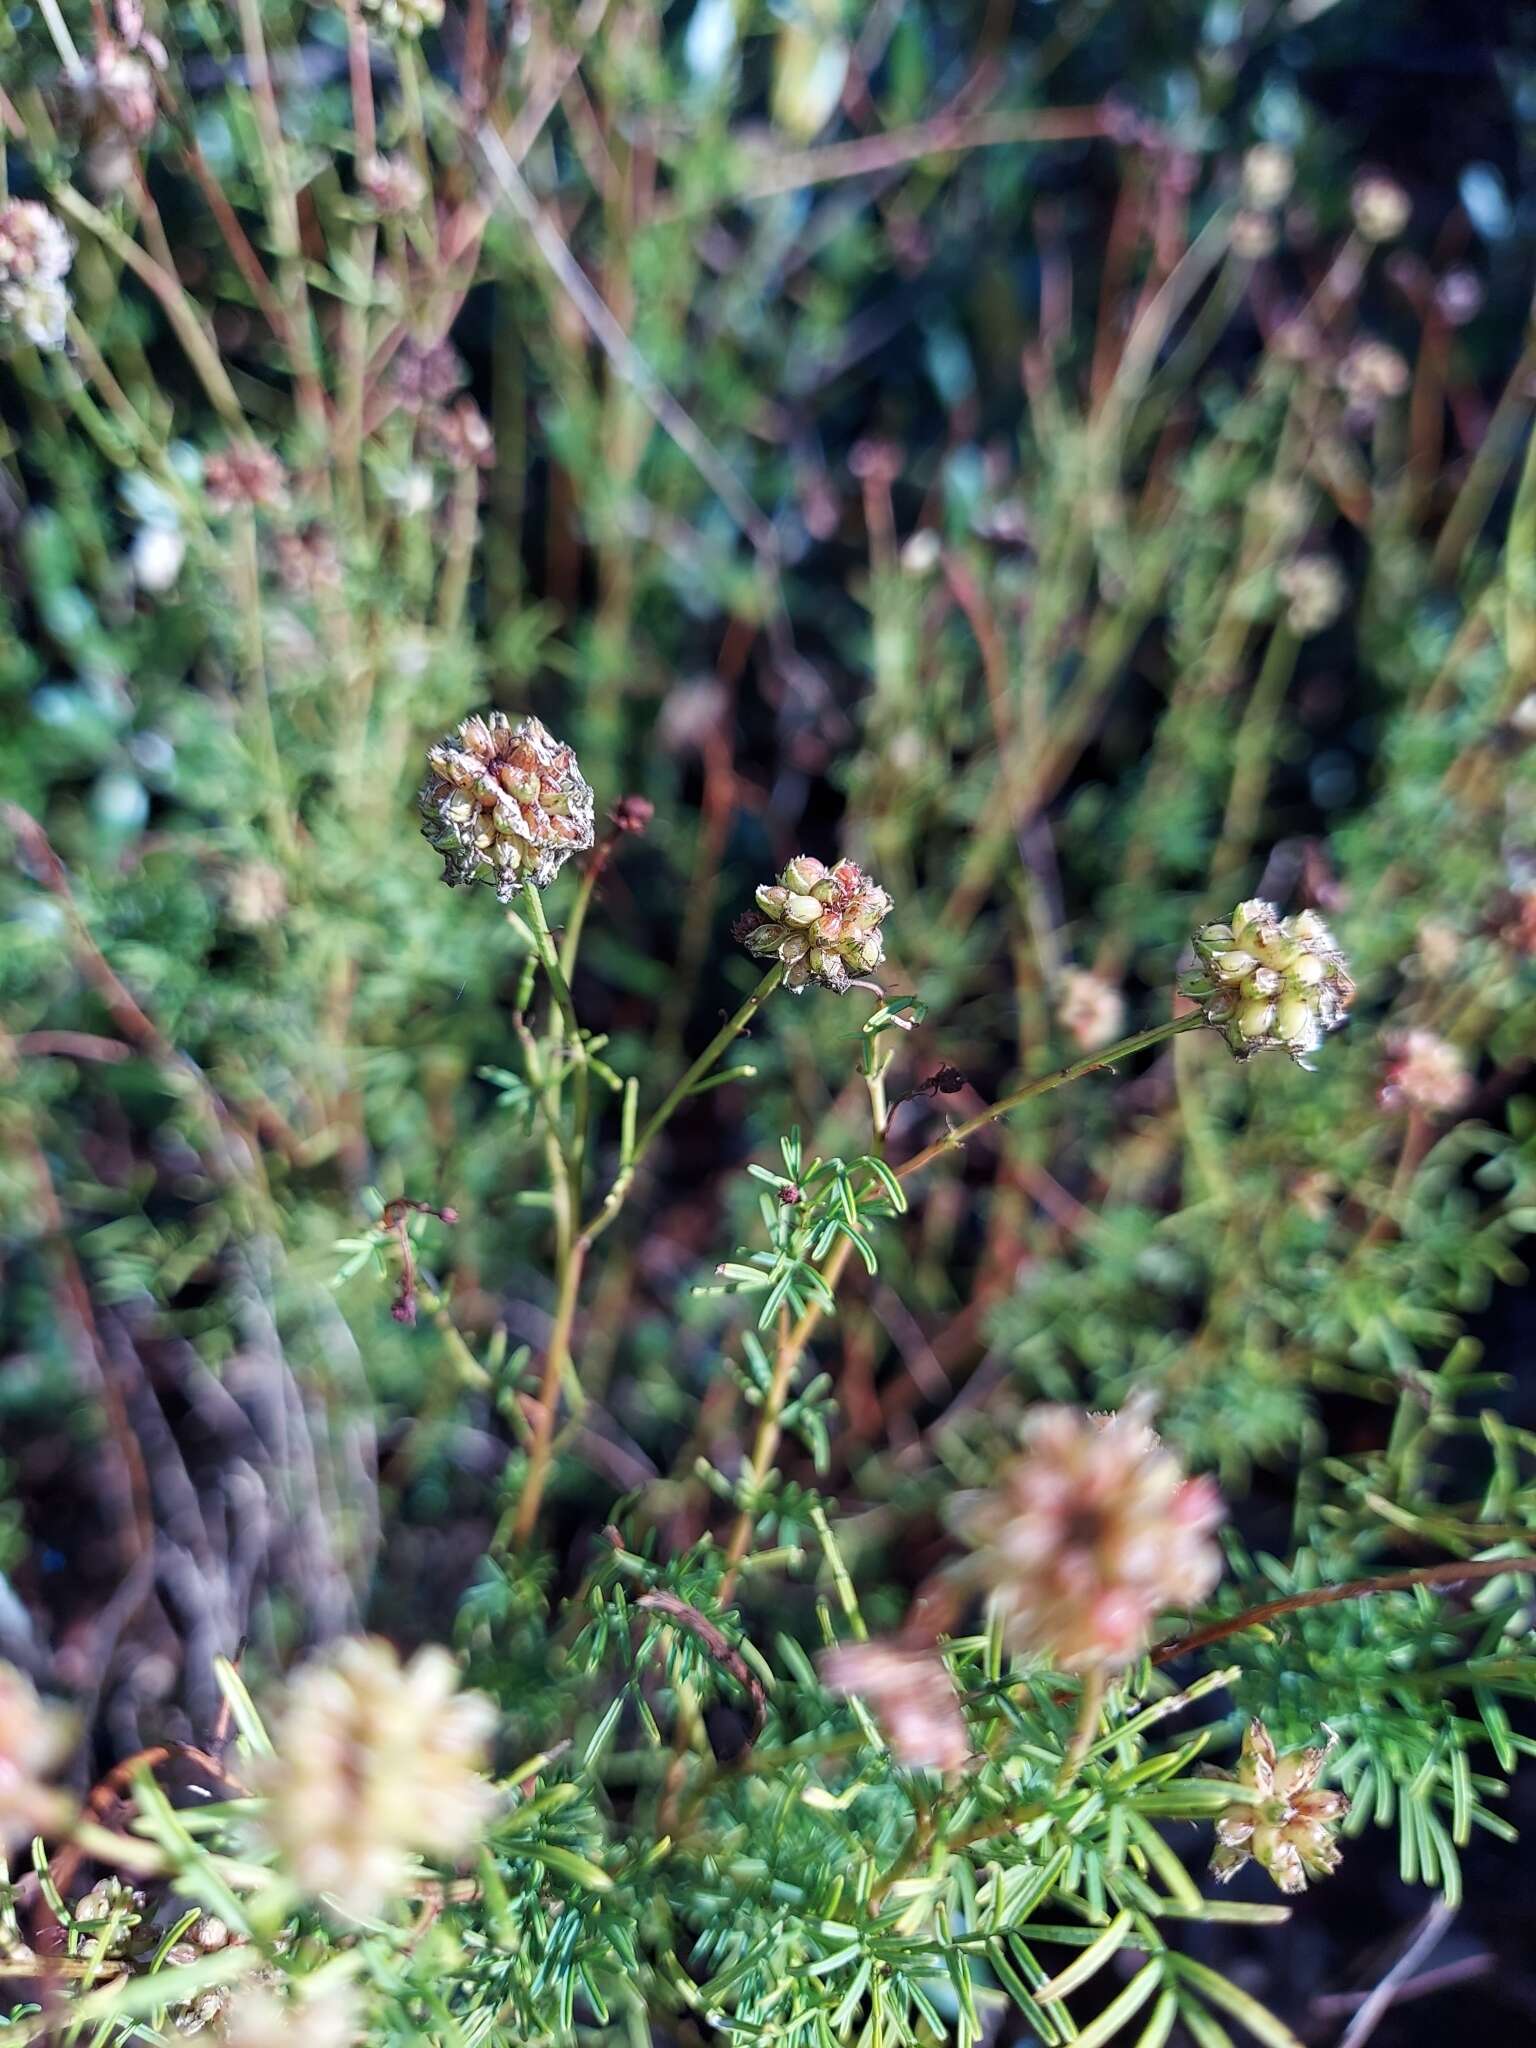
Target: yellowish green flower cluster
1268, 983
822, 923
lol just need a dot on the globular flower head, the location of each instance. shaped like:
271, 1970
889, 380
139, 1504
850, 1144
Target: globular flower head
823, 924
404, 17
910, 1694
1090, 1532
375, 1759
35, 1738
1270, 984
505, 804
1425, 1072
1089, 1009
35, 255
1287, 1823
1381, 207
1315, 593
245, 473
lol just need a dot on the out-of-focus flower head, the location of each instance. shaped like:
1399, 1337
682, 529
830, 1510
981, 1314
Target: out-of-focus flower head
392, 183
1090, 1532
1089, 1009
255, 896
505, 804
35, 255
423, 376
404, 17
461, 435
1268, 175
307, 561
1380, 206
1425, 1072
245, 473
1314, 589
1288, 1824
1459, 297
35, 1738
822, 923
1254, 234
374, 1760
259, 2016
121, 85
1267, 983
1371, 373
910, 1694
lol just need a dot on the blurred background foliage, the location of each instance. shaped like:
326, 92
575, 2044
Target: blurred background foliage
995, 415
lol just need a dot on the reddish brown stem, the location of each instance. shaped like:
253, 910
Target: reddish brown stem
1455, 1573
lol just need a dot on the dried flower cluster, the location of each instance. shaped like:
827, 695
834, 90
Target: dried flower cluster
35, 255
1270, 984
35, 1738
374, 1760
505, 804
1089, 1534
910, 1694
822, 924
1288, 1825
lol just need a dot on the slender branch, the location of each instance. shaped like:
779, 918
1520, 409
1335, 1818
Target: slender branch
791, 1348
772, 174
1194, 1021
556, 1358
731, 1029
622, 353
1457, 1573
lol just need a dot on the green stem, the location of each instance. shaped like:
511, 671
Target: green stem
1252, 752
1138, 1042
792, 1343
1089, 1707
731, 1029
